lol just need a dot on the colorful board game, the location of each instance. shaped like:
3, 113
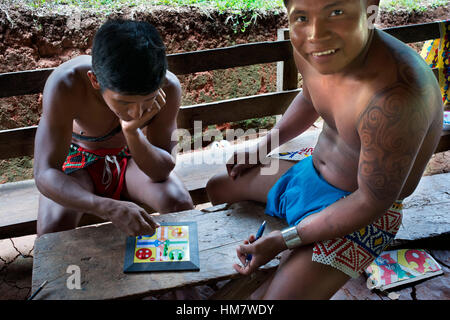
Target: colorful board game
174, 246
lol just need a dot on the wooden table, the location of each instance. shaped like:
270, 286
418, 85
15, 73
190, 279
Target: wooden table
99, 253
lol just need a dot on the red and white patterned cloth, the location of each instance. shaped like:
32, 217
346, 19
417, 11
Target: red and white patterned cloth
353, 253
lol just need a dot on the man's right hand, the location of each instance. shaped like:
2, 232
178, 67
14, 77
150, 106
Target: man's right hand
242, 161
130, 218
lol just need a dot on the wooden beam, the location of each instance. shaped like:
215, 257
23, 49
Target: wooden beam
23, 82
17, 142
236, 109
413, 32
20, 142
230, 57
416, 32
30, 82
287, 72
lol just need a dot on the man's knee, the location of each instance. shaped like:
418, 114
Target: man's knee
215, 189
54, 218
175, 201
55, 223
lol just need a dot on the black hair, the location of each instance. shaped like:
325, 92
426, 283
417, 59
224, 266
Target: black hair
129, 57
286, 2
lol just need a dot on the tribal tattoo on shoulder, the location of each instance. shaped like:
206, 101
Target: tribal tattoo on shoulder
392, 128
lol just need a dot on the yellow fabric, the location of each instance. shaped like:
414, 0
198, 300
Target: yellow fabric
436, 53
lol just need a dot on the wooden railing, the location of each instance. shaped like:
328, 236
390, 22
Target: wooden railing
20, 142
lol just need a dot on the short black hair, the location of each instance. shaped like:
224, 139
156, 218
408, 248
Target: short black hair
129, 57
286, 2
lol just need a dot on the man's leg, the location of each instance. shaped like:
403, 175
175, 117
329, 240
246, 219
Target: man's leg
252, 185
298, 277
167, 196
52, 217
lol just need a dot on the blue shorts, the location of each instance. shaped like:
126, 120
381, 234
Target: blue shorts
300, 192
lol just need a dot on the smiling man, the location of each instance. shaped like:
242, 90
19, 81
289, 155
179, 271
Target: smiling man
104, 139
382, 113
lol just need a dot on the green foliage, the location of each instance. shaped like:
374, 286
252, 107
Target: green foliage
412, 5
240, 13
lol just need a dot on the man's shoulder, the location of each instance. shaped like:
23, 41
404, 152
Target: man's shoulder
404, 59
171, 81
399, 68
67, 77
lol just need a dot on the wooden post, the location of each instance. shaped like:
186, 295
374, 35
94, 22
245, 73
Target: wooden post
287, 73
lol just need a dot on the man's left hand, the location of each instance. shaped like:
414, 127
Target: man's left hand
152, 111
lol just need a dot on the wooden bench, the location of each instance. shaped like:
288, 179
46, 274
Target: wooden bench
18, 201
220, 229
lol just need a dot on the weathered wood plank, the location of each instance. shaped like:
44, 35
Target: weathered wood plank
229, 57
17, 142
96, 249
416, 32
20, 142
426, 211
236, 109
411, 33
23, 82
287, 73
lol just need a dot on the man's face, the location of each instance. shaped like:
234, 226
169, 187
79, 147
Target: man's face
129, 107
328, 34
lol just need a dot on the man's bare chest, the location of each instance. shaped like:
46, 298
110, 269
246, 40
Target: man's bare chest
340, 110
94, 120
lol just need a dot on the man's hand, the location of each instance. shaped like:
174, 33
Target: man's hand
153, 110
131, 218
262, 250
241, 161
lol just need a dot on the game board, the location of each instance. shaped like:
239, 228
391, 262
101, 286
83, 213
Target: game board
174, 246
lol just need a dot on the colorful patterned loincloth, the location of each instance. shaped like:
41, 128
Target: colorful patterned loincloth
437, 55
105, 166
353, 253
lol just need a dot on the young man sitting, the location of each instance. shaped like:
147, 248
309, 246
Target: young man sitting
382, 113
104, 140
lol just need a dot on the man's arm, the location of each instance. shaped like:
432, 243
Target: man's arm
152, 151
53, 138
391, 131
391, 128
299, 116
